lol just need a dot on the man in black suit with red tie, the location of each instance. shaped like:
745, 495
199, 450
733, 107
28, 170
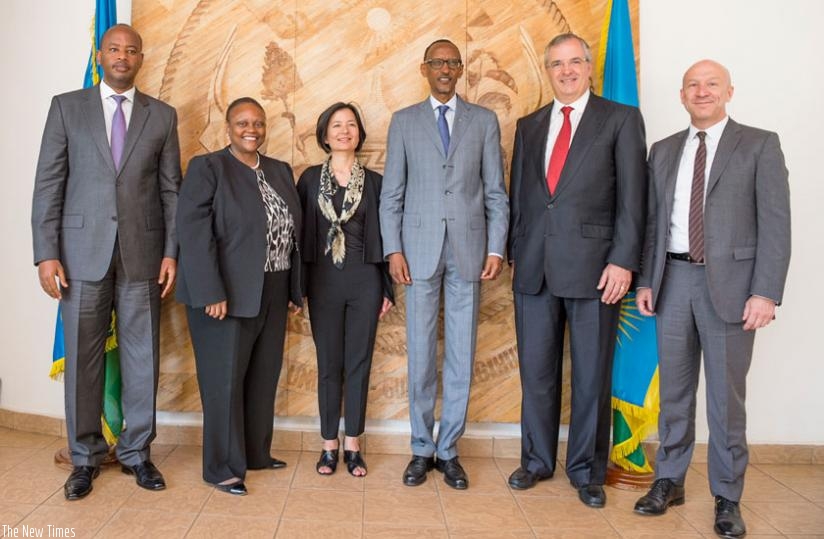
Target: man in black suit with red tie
578, 205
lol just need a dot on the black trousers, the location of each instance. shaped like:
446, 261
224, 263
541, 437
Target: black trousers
539, 324
343, 310
238, 365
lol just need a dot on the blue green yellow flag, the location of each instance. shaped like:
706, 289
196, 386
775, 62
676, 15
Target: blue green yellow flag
105, 16
635, 398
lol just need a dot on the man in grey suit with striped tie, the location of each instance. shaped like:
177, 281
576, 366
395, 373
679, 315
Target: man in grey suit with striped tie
444, 216
714, 265
103, 214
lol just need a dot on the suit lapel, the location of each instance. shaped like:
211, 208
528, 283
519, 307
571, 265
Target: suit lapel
586, 133
463, 117
93, 112
140, 114
726, 145
538, 131
671, 176
430, 127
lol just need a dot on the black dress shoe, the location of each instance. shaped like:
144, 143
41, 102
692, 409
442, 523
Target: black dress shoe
238, 489
79, 483
146, 475
662, 494
453, 473
728, 521
272, 464
276, 464
415, 473
592, 495
522, 479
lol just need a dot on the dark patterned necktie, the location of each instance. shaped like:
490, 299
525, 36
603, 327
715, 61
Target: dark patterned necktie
118, 140
697, 201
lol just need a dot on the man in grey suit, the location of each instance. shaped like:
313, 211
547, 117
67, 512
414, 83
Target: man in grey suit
103, 218
443, 216
578, 197
714, 266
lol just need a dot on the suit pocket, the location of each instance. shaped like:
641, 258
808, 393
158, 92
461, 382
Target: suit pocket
596, 231
412, 219
743, 253
477, 222
72, 221
154, 222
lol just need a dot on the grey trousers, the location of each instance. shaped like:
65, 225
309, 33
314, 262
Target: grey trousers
461, 300
87, 310
687, 325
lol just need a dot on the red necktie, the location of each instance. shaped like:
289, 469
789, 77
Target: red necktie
559, 152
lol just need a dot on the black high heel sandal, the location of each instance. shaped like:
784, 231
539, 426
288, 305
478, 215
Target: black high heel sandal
353, 460
328, 458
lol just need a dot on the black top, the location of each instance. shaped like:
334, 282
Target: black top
315, 225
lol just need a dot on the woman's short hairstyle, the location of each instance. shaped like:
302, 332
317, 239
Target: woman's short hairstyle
323, 125
241, 101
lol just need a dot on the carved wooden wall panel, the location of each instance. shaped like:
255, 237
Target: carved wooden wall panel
297, 58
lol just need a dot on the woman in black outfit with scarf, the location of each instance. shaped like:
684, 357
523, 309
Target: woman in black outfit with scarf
348, 285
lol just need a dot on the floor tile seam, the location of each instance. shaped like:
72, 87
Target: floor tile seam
36, 507
784, 484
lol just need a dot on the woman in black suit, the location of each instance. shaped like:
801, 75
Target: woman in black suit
348, 285
238, 220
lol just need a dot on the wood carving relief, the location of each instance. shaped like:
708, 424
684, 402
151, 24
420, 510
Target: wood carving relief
298, 58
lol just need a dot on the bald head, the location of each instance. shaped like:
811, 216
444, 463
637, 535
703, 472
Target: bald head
705, 91
124, 28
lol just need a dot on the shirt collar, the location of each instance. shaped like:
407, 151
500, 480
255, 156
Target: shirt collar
713, 132
107, 91
452, 103
577, 105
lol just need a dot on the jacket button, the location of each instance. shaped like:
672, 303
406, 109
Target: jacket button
550, 206
114, 218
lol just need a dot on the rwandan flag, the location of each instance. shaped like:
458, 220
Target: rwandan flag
105, 16
635, 396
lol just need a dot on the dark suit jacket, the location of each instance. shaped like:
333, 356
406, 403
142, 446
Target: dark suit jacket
315, 225
597, 213
82, 203
221, 224
746, 217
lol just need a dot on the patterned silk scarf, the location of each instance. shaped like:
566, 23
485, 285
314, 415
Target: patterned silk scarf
335, 239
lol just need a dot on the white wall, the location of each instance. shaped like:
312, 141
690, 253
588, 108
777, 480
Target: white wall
769, 49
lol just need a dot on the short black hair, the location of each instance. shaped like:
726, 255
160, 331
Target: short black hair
438, 42
323, 125
242, 101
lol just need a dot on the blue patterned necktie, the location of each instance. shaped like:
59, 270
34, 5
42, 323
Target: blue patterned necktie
443, 128
118, 140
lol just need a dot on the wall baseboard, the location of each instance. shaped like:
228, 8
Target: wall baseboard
479, 441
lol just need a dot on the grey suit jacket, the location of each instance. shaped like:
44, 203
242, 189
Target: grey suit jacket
82, 204
746, 217
427, 194
597, 213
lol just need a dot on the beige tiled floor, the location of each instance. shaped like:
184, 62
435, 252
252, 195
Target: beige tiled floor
779, 501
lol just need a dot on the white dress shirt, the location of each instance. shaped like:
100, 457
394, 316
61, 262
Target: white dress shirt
556, 121
450, 113
679, 236
110, 105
